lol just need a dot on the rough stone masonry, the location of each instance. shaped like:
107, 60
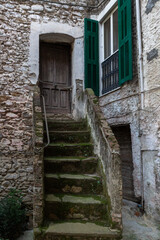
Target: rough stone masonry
17, 132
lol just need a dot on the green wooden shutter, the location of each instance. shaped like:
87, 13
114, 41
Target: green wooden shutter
91, 55
125, 40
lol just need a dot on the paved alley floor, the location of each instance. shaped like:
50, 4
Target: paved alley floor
137, 227
28, 235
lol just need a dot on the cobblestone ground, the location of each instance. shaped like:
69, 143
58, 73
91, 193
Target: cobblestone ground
136, 226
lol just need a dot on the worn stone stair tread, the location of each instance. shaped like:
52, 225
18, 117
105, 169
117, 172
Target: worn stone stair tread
64, 198
69, 124
68, 149
70, 159
73, 176
69, 144
69, 131
68, 135
81, 229
62, 121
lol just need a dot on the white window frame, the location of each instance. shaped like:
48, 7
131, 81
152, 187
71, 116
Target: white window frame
102, 18
110, 16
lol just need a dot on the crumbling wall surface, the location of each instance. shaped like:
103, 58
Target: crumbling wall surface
150, 125
19, 164
107, 148
16, 103
121, 106
38, 164
16, 118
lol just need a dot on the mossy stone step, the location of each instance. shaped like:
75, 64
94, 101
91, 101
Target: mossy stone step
70, 165
76, 149
76, 231
73, 183
60, 207
68, 136
67, 125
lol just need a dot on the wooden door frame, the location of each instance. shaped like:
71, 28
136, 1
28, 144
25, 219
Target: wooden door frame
121, 127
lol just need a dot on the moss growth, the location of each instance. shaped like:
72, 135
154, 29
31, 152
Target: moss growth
69, 125
90, 92
95, 197
70, 144
96, 209
95, 101
70, 136
65, 158
38, 115
106, 195
69, 210
39, 134
81, 149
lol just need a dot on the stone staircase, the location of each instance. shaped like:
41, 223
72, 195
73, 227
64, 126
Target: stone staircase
75, 207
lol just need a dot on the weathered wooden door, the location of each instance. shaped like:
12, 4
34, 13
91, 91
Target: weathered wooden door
55, 77
123, 136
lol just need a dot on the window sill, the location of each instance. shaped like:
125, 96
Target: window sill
114, 90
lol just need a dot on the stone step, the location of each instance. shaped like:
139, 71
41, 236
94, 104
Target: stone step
73, 183
67, 125
76, 231
61, 207
68, 136
70, 165
76, 149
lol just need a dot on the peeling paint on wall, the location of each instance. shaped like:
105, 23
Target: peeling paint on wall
152, 54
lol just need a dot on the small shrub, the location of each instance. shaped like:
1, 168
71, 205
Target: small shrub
12, 216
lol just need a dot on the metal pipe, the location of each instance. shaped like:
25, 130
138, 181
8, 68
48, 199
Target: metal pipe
140, 52
46, 123
138, 17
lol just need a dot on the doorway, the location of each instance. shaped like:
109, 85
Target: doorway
123, 136
55, 77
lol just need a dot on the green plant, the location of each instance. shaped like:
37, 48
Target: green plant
12, 215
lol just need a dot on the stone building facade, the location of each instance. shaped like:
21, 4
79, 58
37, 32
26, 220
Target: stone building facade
136, 104
23, 25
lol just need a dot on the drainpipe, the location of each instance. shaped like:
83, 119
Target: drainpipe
138, 17
141, 86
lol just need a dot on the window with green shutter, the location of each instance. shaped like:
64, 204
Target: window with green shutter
110, 64
125, 40
91, 55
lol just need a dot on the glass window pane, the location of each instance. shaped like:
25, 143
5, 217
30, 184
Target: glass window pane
107, 39
115, 31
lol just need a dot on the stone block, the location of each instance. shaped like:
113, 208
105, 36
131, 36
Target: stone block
37, 8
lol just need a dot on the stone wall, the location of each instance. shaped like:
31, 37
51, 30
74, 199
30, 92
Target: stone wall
123, 106
20, 166
107, 148
121, 110
150, 125
38, 164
